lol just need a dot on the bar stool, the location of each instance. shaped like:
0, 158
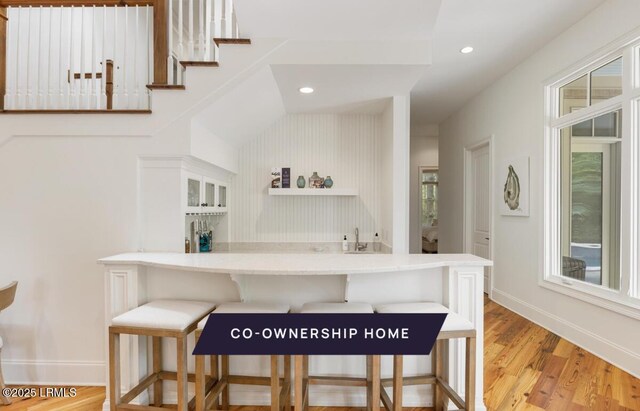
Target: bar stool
302, 380
455, 326
157, 319
208, 394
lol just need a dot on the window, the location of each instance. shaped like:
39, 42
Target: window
429, 197
592, 181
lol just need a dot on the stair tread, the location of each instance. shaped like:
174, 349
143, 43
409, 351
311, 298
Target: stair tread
225, 40
74, 111
186, 63
165, 87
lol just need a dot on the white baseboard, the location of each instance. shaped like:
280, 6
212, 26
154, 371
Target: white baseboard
608, 350
36, 372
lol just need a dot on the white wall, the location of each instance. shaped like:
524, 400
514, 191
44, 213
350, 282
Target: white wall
512, 110
64, 203
342, 146
424, 153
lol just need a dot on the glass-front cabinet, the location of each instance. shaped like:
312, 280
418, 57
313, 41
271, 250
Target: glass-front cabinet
194, 193
205, 195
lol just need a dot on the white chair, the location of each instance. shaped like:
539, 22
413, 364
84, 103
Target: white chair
7, 294
209, 391
302, 380
157, 319
455, 326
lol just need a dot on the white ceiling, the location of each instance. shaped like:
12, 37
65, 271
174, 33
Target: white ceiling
342, 88
338, 19
502, 32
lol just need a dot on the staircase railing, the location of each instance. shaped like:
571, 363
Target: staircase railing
103, 55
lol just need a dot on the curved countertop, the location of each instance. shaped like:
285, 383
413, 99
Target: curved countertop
295, 263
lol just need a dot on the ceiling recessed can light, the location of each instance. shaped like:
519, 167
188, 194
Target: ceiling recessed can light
306, 90
466, 50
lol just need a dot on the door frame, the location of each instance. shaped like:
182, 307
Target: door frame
468, 203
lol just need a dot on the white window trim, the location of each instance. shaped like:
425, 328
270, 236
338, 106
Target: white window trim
626, 300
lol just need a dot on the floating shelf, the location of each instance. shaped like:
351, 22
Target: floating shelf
313, 192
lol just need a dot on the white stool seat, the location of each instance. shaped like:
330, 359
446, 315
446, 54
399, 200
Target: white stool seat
339, 308
174, 315
247, 308
453, 322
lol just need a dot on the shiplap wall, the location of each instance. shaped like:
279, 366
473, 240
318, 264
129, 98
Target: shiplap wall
342, 146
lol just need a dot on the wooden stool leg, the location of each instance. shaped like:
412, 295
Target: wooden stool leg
5, 399
225, 375
275, 384
287, 382
373, 396
305, 384
182, 378
470, 374
215, 376
298, 377
200, 379
440, 354
157, 369
397, 382
114, 370
434, 371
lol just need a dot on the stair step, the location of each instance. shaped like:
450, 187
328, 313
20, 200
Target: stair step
72, 111
222, 40
199, 63
165, 87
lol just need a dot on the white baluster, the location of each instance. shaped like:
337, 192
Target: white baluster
49, 99
180, 31
103, 82
191, 41
147, 96
83, 83
60, 102
125, 59
170, 78
39, 71
235, 30
207, 36
136, 82
201, 49
70, 77
116, 84
28, 66
18, 89
93, 86
223, 19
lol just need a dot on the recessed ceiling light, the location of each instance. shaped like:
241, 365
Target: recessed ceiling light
466, 50
306, 90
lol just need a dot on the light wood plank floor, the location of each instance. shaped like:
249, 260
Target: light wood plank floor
525, 367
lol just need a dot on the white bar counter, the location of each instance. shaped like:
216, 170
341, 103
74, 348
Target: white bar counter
455, 280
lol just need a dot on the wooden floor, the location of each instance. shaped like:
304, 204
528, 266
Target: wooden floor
525, 368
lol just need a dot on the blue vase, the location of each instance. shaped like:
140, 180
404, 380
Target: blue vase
301, 182
328, 182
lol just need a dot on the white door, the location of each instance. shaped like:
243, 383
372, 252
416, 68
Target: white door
478, 206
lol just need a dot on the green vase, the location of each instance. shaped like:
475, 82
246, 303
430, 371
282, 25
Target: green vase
328, 182
301, 182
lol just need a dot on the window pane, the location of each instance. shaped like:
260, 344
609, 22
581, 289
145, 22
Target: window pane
573, 96
606, 82
606, 125
429, 198
590, 197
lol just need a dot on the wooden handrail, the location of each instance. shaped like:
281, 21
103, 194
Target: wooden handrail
75, 3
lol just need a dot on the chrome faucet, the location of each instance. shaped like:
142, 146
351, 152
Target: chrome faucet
359, 247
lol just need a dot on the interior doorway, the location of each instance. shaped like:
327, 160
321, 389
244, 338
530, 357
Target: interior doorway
478, 204
429, 209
